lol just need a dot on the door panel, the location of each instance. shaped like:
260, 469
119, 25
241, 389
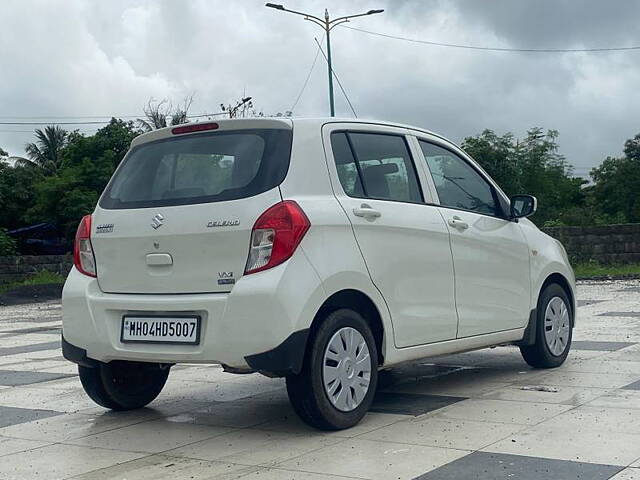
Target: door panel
407, 252
491, 260
490, 253
405, 244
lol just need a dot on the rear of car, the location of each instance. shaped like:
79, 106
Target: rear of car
164, 267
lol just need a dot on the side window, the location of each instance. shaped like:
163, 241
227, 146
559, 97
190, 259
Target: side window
386, 167
378, 166
458, 184
346, 165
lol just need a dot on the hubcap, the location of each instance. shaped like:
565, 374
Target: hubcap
346, 371
556, 326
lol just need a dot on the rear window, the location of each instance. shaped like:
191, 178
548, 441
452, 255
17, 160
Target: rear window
202, 168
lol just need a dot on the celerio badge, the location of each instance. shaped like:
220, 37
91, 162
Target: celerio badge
223, 223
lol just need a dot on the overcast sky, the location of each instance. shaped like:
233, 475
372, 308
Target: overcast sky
86, 58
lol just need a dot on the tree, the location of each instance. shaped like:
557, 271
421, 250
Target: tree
16, 193
44, 153
497, 156
632, 148
616, 187
162, 114
532, 165
87, 164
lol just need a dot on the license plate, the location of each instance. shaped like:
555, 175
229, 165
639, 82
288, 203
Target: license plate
161, 329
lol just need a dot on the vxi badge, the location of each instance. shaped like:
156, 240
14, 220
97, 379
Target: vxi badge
223, 223
226, 278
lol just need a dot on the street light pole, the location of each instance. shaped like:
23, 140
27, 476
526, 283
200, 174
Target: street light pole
327, 25
329, 69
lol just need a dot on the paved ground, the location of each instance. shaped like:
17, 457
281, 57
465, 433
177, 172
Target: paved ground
455, 417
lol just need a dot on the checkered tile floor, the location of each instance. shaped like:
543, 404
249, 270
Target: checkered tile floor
466, 416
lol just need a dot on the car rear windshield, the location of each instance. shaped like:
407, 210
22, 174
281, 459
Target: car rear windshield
200, 168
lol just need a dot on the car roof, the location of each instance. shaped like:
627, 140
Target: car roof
279, 122
327, 120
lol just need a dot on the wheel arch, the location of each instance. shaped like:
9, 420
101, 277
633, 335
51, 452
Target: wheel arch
359, 302
561, 280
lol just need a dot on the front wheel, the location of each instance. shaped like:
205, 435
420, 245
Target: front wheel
122, 385
338, 380
554, 329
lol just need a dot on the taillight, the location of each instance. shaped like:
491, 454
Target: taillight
83, 257
276, 235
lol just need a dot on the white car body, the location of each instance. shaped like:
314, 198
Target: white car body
434, 288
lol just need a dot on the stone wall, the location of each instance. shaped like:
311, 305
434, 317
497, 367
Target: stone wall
602, 243
18, 267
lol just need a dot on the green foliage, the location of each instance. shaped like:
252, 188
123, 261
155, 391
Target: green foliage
7, 244
531, 166
67, 171
16, 193
87, 164
617, 185
593, 269
45, 152
43, 277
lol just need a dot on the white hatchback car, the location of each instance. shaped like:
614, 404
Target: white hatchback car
321, 250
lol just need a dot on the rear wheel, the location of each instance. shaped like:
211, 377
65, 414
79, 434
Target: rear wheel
553, 330
122, 385
338, 380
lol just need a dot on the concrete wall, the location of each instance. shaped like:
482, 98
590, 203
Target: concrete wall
19, 267
603, 243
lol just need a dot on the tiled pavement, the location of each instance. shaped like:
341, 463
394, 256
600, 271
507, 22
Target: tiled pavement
452, 417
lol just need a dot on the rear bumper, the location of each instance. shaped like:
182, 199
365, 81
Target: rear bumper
76, 355
259, 325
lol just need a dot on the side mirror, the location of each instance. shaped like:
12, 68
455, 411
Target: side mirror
523, 206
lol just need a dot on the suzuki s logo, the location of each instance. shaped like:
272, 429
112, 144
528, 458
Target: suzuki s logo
157, 221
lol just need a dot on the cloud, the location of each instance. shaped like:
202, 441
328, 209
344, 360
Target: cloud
81, 57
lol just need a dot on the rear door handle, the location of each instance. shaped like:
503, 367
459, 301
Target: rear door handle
457, 222
156, 259
366, 211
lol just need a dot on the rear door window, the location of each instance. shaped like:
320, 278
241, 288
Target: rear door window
346, 165
212, 167
376, 166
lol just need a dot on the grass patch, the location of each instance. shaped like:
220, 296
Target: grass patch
41, 278
587, 270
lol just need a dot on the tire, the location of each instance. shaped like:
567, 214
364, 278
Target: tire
122, 385
307, 393
545, 353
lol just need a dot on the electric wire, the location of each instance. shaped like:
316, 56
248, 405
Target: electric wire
495, 49
88, 122
306, 81
333, 71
